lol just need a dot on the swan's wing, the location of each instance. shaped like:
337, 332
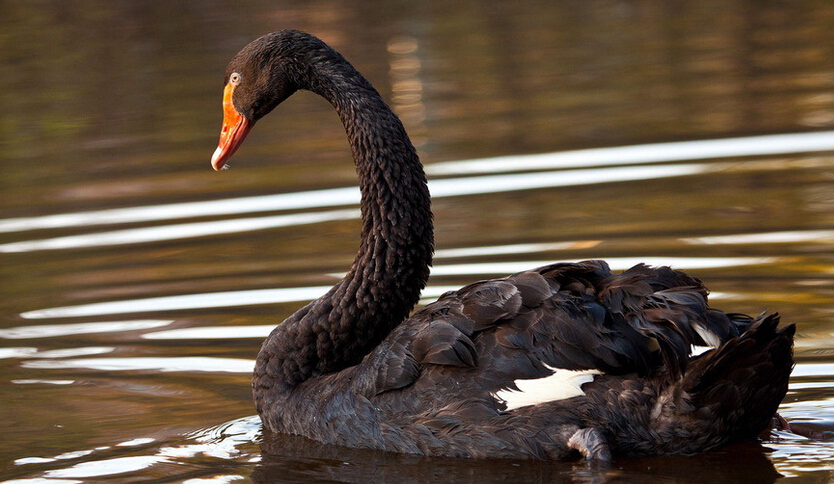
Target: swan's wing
533, 325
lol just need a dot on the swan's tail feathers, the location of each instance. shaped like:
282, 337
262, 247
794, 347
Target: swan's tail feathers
738, 386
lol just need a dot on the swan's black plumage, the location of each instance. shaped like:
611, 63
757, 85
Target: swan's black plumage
351, 368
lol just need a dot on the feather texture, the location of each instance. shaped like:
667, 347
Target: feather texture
352, 368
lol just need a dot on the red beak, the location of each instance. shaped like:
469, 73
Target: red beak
234, 131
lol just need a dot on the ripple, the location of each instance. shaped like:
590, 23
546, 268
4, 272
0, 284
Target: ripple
213, 332
43, 382
228, 442
214, 480
513, 249
599, 157
225, 440
71, 352
187, 364
449, 187
644, 154
615, 263
782, 237
439, 188
53, 330
18, 352
231, 206
797, 457
296, 294
187, 301
178, 231
106, 467
28, 352
42, 480
194, 301
136, 442
813, 370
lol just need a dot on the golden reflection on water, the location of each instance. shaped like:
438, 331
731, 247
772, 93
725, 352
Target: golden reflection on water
137, 283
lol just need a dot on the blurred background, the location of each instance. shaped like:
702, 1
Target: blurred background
136, 284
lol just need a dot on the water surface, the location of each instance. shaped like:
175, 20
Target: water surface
137, 284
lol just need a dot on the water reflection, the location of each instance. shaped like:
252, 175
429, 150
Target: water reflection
803, 369
528, 248
92, 126
153, 213
188, 364
188, 301
782, 237
300, 294
28, 352
292, 459
615, 263
103, 467
448, 187
43, 382
213, 332
439, 188
54, 330
228, 443
644, 154
407, 86
179, 231
599, 157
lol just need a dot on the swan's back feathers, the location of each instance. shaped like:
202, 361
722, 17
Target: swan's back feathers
651, 395
729, 394
441, 343
748, 374
566, 316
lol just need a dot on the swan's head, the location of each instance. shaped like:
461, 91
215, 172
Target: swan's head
259, 77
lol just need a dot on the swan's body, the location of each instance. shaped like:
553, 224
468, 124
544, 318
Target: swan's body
351, 368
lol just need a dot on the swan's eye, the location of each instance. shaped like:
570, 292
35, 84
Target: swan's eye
234, 79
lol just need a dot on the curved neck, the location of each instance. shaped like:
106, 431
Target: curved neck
392, 265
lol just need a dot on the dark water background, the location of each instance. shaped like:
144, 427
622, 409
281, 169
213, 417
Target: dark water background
136, 284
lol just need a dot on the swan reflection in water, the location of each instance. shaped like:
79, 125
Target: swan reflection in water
291, 459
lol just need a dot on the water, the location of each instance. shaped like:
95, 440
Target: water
137, 283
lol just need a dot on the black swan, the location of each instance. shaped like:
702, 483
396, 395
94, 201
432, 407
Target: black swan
557, 361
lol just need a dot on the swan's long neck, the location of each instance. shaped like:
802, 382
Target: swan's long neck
392, 265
